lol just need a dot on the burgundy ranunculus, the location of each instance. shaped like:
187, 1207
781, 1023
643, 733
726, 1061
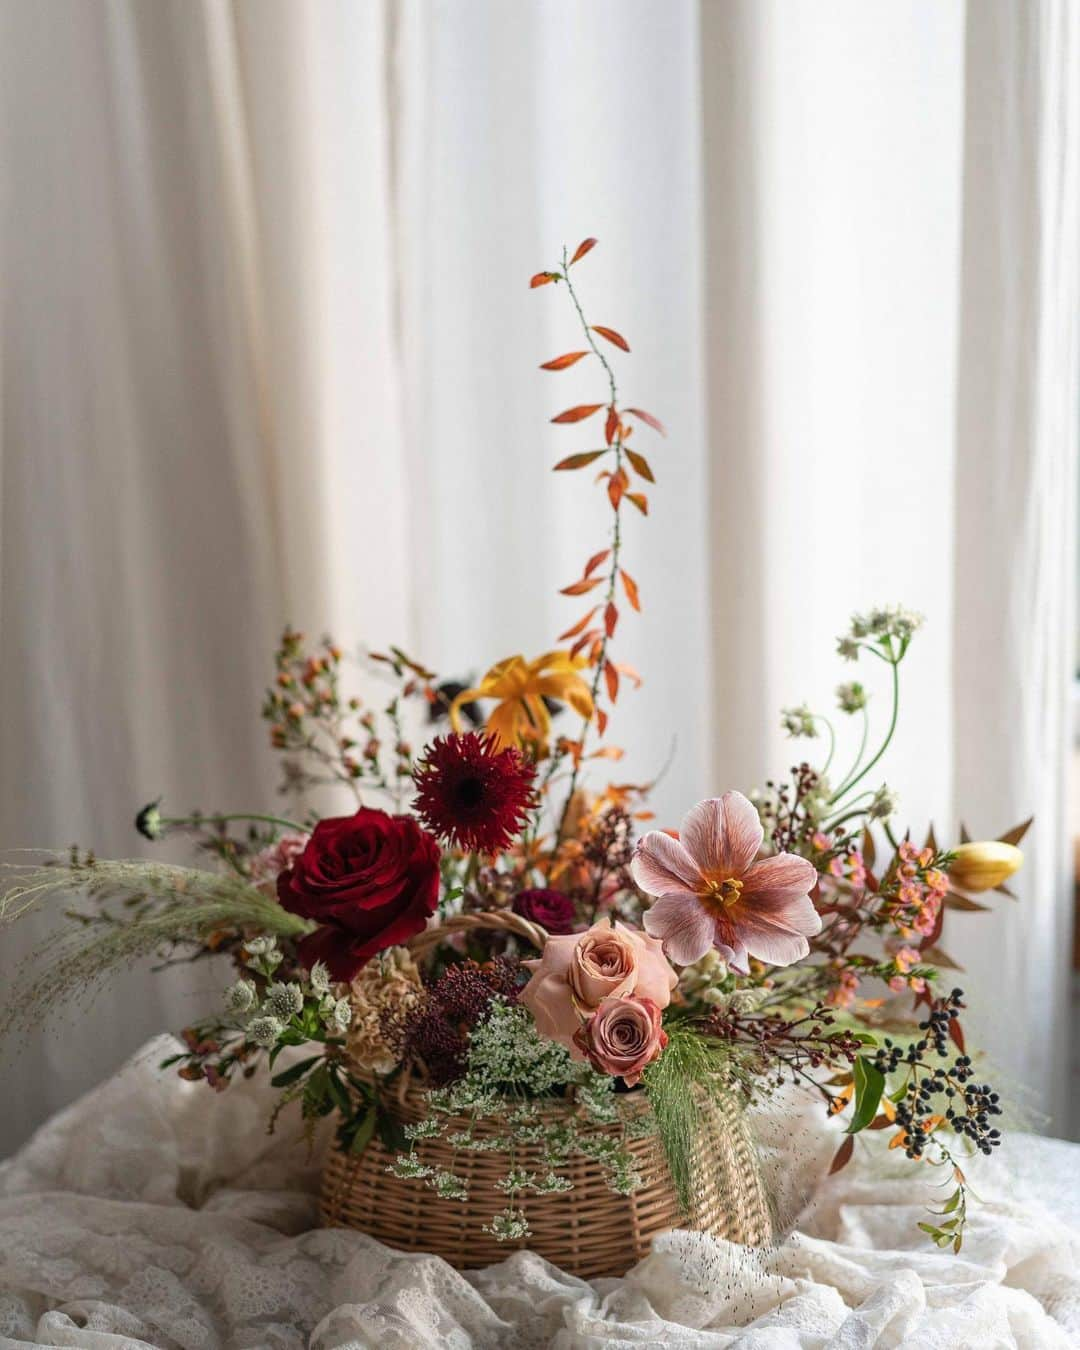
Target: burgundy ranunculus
370, 881
550, 909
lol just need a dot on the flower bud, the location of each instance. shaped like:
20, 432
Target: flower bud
982, 866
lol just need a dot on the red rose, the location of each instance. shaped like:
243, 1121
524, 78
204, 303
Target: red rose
370, 881
550, 909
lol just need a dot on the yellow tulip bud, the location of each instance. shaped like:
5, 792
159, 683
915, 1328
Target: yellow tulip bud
984, 865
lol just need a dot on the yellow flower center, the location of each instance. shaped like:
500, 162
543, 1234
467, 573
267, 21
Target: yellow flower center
724, 893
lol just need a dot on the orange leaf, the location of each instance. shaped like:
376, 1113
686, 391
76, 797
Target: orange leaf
542, 279
612, 336
561, 362
630, 587
615, 490
595, 561
584, 640
580, 460
601, 720
596, 650
578, 627
648, 419
611, 426
582, 249
898, 1140
631, 674
641, 464
579, 413
581, 587
640, 501
843, 1154
611, 677
611, 618
608, 752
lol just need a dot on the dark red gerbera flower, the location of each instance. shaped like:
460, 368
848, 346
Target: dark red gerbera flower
473, 795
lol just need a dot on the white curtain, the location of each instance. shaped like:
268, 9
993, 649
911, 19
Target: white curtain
267, 353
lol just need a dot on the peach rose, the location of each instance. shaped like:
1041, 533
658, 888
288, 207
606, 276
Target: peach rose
578, 972
622, 1037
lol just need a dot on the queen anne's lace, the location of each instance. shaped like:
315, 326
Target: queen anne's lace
152, 1216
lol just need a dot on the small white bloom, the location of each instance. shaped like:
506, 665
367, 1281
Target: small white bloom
260, 946
798, 721
884, 803
283, 1000
320, 978
851, 697
848, 648
240, 997
264, 1031
340, 1016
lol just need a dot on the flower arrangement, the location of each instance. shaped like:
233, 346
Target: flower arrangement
776, 937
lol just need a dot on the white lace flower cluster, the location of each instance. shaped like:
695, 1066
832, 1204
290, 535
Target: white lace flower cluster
265, 1020
508, 1059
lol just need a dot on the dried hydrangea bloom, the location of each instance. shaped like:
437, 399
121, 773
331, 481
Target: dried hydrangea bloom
714, 891
386, 987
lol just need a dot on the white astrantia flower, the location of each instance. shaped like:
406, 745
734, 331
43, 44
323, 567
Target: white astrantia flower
264, 1031
885, 802
320, 978
340, 1016
848, 648
240, 997
283, 1000
260, 946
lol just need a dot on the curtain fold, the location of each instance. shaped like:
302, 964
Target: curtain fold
1018, 413
268, 354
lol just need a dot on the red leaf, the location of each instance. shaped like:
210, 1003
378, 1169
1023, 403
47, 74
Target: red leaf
630, 587
612, 336
648, 419
611, 618
582, 249
542, 279
615, 489
595, 651
843, 1154
640, 501
579, 413
561, 362
580, 460
581, 587
611, 426
640, 463
956, 1033
595, 561
601, 720
578, 627
611, 678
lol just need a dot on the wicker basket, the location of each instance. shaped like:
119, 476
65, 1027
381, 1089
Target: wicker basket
588, 1231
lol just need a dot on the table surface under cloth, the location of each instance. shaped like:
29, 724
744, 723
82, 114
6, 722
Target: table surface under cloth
156, 1213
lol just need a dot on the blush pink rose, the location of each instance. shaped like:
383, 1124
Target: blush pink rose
622, 1037
578, 972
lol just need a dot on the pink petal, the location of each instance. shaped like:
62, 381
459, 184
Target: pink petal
773, 882
660, 864
737, 957
683, 925
776, 946
723, 834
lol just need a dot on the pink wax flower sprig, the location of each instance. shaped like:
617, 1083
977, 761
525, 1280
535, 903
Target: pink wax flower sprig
714, 891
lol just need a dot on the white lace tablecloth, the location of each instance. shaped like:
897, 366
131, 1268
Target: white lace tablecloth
152, 1213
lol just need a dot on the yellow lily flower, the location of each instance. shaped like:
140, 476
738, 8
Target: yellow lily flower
521, 687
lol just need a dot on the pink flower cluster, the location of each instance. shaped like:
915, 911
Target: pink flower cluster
904, 959
601, 993
922, 891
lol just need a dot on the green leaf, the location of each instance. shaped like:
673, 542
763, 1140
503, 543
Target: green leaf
293, 1073
339, 1094
869, 1085
362, 1135
391, 1132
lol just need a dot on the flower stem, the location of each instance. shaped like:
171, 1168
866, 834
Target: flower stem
240, 815
616, 544
846, 787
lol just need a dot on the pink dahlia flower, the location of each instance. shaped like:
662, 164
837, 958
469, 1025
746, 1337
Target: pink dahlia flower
715, 892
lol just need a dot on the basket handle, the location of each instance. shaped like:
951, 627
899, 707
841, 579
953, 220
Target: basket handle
496, 921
